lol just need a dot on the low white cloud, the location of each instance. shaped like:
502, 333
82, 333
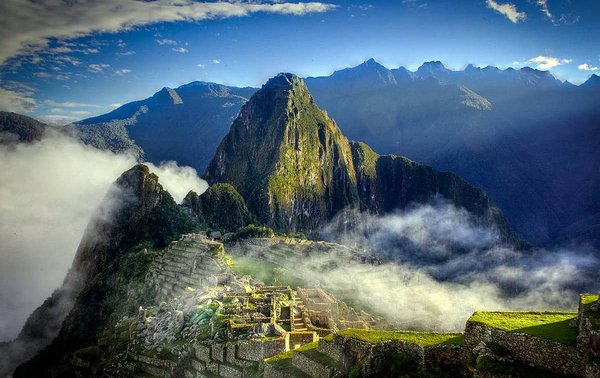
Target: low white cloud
27, 26
200, 65
216, 61
178, 181
115, 105
180, 50
57, 119
547, 62
438, 264
587, 67
509, 10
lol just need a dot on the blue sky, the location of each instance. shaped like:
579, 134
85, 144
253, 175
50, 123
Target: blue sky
69, 60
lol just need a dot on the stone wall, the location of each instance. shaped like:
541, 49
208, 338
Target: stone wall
540, 353
300, 338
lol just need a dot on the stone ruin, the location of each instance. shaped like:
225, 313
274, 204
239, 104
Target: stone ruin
208, 319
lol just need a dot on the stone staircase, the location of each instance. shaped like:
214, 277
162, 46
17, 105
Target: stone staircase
298, 321
187, 266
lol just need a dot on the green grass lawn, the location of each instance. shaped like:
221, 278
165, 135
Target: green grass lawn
265, 271
420, 338
548, 325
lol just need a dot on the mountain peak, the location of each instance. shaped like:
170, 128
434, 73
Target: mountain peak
592, 82
371, 63
433, 69
434, 65
284, 151
283, 81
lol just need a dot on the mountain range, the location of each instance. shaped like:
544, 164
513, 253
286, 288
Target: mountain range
526, 138
284, 164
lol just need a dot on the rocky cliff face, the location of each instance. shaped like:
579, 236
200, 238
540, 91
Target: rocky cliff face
105, 278
296, 170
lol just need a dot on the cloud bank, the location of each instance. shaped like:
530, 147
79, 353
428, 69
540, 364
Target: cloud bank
48, 193
438, 266
28, 25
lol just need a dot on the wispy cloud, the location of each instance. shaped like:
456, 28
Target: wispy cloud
69, 104
180, 50
126, 53
123, 71
97, 68
71, 112
509, 10
216, 61
587, 67
27, 26
543, 4
165, 41
200, 65
16, 101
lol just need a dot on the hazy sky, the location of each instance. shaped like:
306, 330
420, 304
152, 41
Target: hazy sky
66, 60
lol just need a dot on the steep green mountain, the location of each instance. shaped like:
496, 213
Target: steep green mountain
287, 158
296, 170
106, 278
184, 124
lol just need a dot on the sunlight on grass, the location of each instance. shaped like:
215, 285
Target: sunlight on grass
548, 325
420, 338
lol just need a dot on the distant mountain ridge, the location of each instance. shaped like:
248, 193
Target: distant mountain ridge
184, 124
525, 137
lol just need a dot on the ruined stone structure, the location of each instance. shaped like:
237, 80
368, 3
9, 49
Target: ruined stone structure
210, 321
206, 321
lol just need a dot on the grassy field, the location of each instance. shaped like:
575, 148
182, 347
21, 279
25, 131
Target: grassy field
266, 271
548, 325
420, 338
